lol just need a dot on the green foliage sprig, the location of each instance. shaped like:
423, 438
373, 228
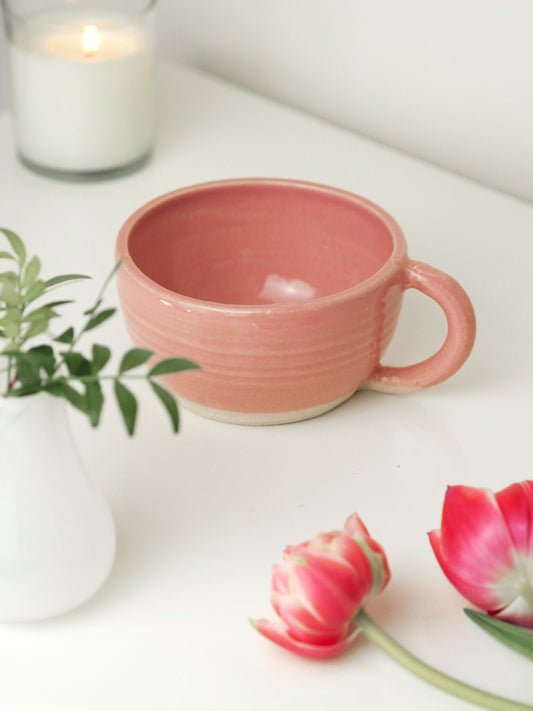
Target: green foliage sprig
58, 367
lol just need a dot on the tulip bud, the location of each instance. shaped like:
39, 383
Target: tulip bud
319, 588
485, 548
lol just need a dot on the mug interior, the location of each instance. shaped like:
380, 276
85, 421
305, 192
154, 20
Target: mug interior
259, 243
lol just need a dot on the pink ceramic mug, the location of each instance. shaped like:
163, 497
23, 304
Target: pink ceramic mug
285, 293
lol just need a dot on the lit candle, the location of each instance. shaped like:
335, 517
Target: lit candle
82, 90
91, 41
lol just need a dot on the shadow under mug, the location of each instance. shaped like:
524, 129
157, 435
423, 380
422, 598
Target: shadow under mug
285, 293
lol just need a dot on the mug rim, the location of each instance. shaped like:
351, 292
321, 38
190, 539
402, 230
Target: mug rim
394, 262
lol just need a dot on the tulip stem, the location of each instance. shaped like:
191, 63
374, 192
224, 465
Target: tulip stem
447, 683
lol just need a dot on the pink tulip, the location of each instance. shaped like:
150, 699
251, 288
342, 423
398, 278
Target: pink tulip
319, 592
320, 587
485, 548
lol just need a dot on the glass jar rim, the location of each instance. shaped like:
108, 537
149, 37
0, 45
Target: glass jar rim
14, 14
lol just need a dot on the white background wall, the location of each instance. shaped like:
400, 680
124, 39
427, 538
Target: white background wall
450, 81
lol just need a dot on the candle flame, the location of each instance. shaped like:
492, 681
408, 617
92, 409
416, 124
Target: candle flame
91, 40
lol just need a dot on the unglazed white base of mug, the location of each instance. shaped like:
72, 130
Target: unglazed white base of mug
261, 418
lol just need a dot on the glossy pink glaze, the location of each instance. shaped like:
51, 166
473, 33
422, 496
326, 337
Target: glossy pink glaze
285, 293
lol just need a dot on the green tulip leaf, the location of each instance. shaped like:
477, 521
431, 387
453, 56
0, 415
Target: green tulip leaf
515, 637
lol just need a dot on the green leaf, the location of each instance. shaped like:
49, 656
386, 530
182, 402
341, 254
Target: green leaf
64, 277
12, 329
77, 364
12, 315
75, 398
99, 318
55, 387
128, 406
93, 308
513, 636
55, 304
6, 255
10, 292
30, 363
45, 358
27, 368
101, 355
134, 358
36, 329
66, 337
32, 271
172, 365
95, 401
35, 290
17, 245
9, 276
23, 389
169, 403
44, 312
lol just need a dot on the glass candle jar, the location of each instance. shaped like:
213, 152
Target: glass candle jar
81, 78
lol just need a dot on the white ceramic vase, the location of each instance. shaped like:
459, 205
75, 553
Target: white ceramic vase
57, 536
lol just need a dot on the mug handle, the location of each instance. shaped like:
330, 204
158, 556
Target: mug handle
461, 319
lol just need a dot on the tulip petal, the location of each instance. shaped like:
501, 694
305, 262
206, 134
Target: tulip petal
485, 596
355, 528
349, 551
280, 580
516, 505
374, 553
302, 624
330, 589
280, 635
475, 539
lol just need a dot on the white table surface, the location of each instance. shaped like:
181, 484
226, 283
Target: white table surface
203, 515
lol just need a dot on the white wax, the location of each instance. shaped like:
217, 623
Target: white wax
82, 109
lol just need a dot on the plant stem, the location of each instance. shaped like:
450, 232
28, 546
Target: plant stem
447, 683
89, 313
